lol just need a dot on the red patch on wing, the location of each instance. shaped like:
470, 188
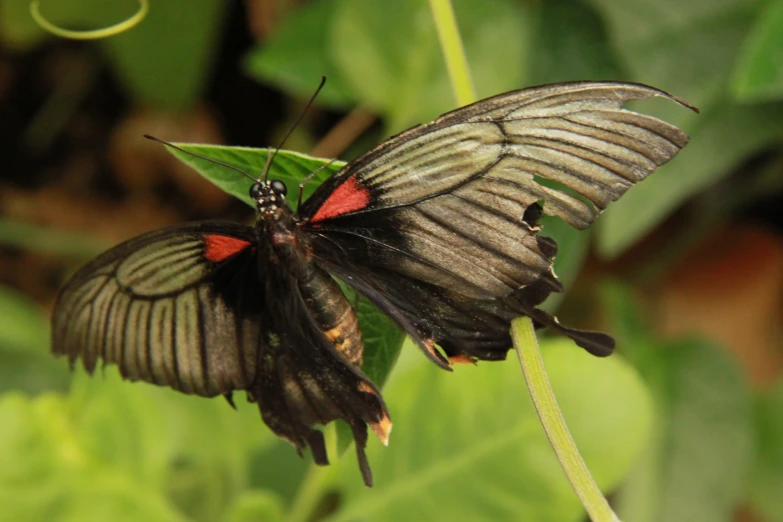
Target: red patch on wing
348, 197
218, 248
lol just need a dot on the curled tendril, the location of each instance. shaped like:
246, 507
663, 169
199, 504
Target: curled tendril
105, 32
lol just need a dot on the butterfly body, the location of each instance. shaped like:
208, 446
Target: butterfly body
438, 227
279, 227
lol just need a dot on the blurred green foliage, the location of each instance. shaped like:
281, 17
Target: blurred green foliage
25, 362
163, 62
698, 463
766, 479
672, 427
173, 457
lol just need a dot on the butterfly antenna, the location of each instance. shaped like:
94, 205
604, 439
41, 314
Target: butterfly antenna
294, 126
216, 162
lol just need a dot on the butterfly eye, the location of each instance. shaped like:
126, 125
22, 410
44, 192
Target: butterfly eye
255, 191
279, 187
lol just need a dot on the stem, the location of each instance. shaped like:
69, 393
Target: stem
453, 51
125, 25
309, 493
311, 488
526, 345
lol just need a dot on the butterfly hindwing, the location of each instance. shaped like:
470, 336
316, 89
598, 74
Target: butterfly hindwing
179, 307
305, 377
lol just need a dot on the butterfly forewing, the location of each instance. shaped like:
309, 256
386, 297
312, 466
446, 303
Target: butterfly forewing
576, 134
152, 307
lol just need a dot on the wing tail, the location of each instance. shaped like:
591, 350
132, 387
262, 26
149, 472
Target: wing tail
303, 380
294, 394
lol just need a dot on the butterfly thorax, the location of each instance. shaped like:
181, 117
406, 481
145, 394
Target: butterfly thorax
276, 226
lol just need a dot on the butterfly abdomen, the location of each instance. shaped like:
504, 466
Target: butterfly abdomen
333, 314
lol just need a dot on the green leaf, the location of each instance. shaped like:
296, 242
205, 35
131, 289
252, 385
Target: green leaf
288, 166
25, 362
143, 429
382, 342
571, 44
278, 469
27, 236
377, 65
405, 78
191, 449
468, 446
759, 72
628, 324
686, 48
116, 451
165, 60
17, 28
708, 444
255, 506
296, 56
24, 328
47, 474
572, 247
767, 475
723, 138
30, 479
110, 498
697, 466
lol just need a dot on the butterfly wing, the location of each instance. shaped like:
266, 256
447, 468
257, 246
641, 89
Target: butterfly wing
574, 134
454, 204
174, 307
207, 309
305, 378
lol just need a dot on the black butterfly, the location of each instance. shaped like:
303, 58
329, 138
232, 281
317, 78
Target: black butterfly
437, 226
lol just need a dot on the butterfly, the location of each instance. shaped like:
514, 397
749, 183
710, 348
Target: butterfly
437, 226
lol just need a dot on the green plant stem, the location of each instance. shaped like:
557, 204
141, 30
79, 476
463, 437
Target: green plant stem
309, 493
310, 490
453, 51
524, 337
121, 27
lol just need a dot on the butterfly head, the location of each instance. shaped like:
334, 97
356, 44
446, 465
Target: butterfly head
269, 196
